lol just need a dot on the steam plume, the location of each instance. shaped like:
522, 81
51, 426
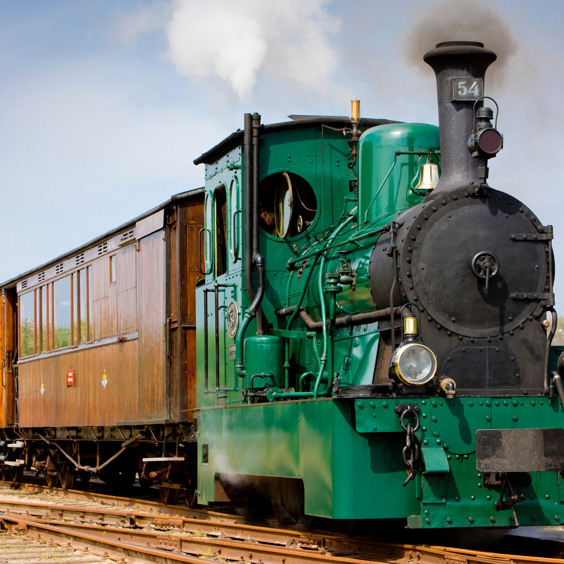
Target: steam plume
461, 20
236, 39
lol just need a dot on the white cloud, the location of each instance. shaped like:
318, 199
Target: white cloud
130, 26
236, 40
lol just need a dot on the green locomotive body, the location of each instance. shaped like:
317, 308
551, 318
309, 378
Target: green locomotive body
306, 322
348, 454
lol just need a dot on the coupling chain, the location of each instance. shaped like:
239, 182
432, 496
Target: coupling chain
411, 449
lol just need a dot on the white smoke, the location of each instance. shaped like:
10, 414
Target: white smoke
236, 40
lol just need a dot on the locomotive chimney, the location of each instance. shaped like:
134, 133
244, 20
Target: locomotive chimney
460, 67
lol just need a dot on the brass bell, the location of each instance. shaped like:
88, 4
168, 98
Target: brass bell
429, 178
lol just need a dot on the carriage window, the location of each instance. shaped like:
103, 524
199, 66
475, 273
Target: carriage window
113, 269
205, 240
82, 313
236, 216
62, 313
44, 318
287, 204
27, 324
56, 315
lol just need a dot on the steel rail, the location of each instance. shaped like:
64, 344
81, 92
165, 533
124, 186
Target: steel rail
201, 533
126, 518
180, 546
18, 548
97, 543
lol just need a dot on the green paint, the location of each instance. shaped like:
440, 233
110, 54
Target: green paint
264, 355
351, 472
390, 169
435, 460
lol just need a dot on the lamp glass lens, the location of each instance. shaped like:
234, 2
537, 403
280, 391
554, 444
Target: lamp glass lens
416, 364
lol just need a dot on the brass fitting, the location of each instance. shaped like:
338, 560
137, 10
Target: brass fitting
448, 386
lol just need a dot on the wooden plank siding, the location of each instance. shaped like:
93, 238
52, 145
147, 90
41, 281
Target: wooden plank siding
114, 305
88, 402
152, 388
138, 363
184, 270
111, 357
194, 221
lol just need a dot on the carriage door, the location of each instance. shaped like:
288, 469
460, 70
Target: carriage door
8, 336
151, 299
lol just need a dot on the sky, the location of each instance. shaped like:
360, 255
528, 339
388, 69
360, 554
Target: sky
104, 104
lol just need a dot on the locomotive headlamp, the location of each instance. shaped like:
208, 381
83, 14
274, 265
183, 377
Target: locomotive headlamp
486, 141
414, 363
489, 141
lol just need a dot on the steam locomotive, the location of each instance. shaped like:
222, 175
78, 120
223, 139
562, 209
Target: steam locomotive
347, 321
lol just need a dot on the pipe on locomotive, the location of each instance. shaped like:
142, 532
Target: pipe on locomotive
247, 154
251, 145
258, 260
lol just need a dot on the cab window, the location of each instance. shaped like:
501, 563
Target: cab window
220, 230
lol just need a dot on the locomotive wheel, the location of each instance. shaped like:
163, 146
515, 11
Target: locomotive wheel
4, 470
172, 475
12, 474
169, 496
18, 474
287, 499
191, 498
51, 473
67, 477
51, 479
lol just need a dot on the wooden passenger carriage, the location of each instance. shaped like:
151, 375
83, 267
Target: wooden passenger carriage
100, 342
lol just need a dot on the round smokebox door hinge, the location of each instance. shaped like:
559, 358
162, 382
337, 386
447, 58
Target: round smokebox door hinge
232, 319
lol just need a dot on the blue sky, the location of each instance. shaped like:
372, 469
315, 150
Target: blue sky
104, 104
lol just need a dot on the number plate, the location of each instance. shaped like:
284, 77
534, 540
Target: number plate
519, 450
466, 89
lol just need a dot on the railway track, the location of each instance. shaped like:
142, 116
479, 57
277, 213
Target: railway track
98, 528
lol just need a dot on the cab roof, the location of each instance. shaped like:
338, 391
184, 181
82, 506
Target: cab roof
298, 122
